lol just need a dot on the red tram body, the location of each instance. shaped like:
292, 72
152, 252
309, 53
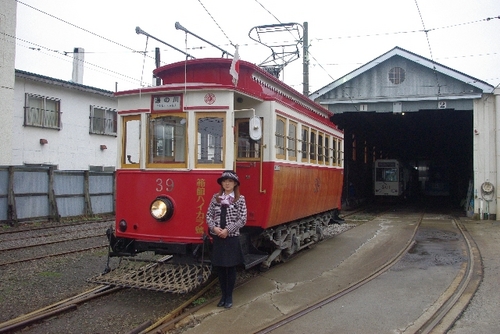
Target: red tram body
177, 138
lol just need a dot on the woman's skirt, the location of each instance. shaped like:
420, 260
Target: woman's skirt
226, 252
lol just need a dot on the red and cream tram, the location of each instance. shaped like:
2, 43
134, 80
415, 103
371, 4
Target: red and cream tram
176, 139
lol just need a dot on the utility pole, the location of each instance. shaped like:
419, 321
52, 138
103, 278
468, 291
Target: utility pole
305, 84
157, 63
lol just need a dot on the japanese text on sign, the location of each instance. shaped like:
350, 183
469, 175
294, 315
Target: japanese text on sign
200, 203
169, 102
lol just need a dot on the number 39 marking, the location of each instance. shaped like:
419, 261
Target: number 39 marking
168, 185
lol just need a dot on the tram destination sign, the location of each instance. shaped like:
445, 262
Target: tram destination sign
167, 102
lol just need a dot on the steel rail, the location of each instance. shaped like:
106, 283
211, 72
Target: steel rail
52, 255
51, 243
51, 226
63, 229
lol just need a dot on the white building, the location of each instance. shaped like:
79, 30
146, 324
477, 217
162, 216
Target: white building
51, 122
7, 57
61, 123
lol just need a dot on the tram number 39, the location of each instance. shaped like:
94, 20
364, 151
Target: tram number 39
164, 185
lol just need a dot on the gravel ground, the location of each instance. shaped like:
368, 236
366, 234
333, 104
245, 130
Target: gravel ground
29, 286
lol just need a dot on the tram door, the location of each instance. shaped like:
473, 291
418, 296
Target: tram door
248, 155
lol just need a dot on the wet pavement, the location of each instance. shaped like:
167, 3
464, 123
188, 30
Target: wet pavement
392, 303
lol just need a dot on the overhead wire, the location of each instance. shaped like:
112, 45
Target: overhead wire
216, 23
87, 31
145, 52
430, 49
67, 58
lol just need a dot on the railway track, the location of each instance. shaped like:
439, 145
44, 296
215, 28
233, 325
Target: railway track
25, 245
62, 306
438, 316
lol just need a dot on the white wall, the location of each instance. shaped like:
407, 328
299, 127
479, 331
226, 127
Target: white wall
71, 147
486, 152
7, 56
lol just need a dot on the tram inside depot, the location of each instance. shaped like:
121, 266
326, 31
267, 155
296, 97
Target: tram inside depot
434, 147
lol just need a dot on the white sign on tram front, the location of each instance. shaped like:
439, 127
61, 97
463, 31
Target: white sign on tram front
167, 102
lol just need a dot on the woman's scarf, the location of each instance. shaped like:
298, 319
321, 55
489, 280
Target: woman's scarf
226, 200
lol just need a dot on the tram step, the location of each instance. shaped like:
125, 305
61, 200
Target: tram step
251, 260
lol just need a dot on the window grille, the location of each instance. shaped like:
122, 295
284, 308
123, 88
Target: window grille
102, 121
41, 111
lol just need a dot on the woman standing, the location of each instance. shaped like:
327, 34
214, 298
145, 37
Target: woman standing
227, 213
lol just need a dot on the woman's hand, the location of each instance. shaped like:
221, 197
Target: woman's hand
221, 233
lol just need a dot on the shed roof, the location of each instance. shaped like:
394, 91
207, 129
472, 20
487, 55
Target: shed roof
397, 51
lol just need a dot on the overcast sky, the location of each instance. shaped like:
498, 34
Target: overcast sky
343, 35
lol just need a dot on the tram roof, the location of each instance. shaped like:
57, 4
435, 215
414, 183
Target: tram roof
213, 73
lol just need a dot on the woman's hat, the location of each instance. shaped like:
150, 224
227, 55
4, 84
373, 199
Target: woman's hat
228, 174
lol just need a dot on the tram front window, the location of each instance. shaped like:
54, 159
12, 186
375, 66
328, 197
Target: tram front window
167, 140
132, 138
387, 174
210, 139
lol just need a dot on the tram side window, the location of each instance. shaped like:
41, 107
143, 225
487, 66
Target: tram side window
280, 138
339, 152
305, 143
210, 139
327, 150
313, 144
131, 142
334, 152
292, 141
167, 139
247, 147
320, 149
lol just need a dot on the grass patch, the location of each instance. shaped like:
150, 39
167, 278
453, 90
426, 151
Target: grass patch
50, 274
199, 301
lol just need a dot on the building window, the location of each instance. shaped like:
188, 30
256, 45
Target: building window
354, 152
102, 121
280, 138
292, 141
397, 75
42, 111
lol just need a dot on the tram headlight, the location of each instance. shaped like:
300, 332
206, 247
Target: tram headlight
162, 208
122, 226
